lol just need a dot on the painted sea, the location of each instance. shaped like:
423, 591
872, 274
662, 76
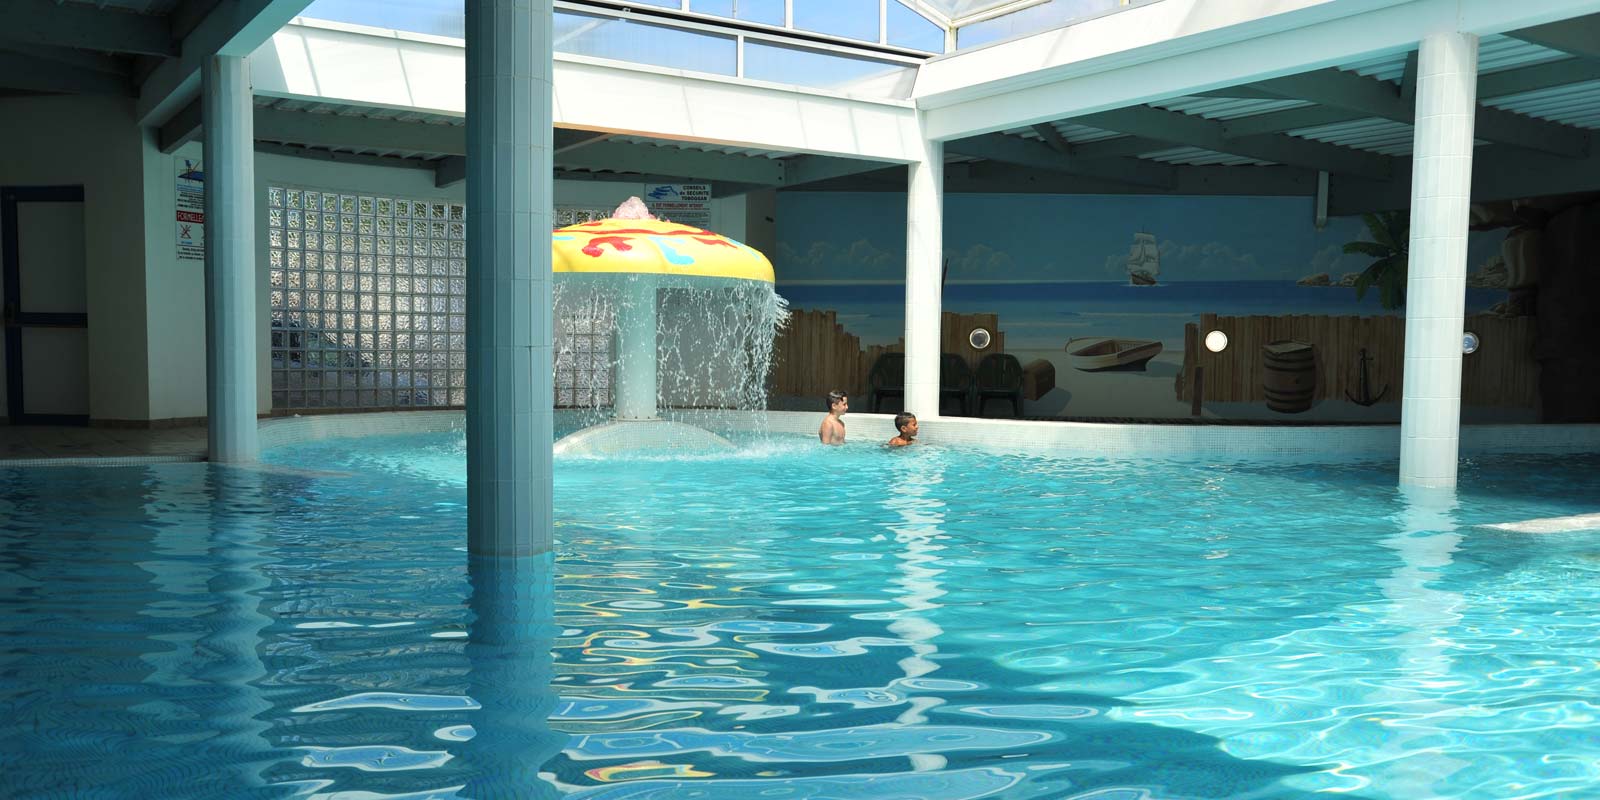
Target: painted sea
1045, 315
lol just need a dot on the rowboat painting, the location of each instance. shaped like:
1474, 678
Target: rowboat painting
1102, 354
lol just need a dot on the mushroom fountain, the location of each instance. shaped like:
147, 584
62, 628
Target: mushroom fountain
693, 314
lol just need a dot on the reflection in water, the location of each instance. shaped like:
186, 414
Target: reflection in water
510, 669
1423, 615
240, 519
916, 500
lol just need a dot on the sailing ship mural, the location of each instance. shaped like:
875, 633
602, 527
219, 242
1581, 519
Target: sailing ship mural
1115, 301
1144, 260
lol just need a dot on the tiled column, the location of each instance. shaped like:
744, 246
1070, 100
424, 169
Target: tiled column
924, 268
230, 152
636, 344
509, 400
1441, 188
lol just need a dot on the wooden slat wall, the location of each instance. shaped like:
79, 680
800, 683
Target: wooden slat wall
815, 354
1501, 373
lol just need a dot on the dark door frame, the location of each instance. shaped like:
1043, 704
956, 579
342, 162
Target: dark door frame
15, 318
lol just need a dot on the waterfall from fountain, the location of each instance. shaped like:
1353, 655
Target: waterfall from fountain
636, 347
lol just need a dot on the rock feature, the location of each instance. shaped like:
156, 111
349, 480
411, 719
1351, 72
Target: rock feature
1319, 279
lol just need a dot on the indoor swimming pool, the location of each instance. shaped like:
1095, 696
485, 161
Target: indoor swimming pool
791, 621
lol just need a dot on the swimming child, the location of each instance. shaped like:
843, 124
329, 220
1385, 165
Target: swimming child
906, 423
832, 430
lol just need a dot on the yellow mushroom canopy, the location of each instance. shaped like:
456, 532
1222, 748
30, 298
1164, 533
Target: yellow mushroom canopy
655, 247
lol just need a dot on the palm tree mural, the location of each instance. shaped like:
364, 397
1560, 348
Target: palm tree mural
1391, 234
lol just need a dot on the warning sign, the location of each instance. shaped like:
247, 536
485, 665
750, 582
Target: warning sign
683, 203
191, 210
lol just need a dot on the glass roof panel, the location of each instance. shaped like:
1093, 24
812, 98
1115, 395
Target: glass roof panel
907, 28
1036, 18
438, 17
766, 12
851, 19
956, 9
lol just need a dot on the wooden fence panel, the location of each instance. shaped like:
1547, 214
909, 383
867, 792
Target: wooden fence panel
1501, 373
814, 354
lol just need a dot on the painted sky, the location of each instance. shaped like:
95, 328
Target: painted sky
827, 236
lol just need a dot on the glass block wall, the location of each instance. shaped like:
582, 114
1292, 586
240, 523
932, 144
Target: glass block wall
368, 300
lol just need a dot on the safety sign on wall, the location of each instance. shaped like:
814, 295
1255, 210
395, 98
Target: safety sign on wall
191, 207
683, 203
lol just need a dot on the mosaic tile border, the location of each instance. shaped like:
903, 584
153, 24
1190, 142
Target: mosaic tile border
98, 461
1306, 445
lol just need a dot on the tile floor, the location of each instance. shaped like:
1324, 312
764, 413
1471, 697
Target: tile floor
30, 442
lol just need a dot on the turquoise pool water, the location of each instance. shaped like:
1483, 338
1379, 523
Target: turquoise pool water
794, 622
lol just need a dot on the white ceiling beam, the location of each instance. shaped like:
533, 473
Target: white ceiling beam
1182, 47
449, 171
1579, 37
1038, 155
232, 28
358, 133
82, 59
18, 71
1496, 84
343, 158
802, 170
50, 24
1498, 173
184, 127
615, 156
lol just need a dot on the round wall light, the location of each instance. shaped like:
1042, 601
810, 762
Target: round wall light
979, 338
1216, 341
1470, 342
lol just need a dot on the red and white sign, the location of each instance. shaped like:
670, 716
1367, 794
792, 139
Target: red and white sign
191, 210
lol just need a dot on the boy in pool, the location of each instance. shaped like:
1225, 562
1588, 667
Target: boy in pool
832, 430
906, 423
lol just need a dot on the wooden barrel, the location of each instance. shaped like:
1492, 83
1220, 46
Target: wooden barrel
1290, 379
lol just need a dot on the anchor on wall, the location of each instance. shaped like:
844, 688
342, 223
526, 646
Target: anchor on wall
1367, 398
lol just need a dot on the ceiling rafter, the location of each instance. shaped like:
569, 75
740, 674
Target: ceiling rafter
1372, 97
1038, 155
49, 24
1579, 37
1179, 129
234, 28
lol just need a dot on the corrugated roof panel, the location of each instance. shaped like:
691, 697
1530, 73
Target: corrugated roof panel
749, 152
1227, 107
1500, 53
1077, 134
1375, 135
1385, 67
1495, 54
1576, 104
1199, 157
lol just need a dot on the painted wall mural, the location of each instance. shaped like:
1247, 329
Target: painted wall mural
1110, 292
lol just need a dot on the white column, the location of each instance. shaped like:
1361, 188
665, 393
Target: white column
636, 345
230, 152
509, 380
924, 269
1441, 188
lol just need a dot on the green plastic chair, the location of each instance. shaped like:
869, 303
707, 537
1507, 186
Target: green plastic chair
1000, 378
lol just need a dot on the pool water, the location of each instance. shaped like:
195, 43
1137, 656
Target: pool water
789, 621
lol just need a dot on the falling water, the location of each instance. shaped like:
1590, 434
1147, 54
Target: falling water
714, 344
